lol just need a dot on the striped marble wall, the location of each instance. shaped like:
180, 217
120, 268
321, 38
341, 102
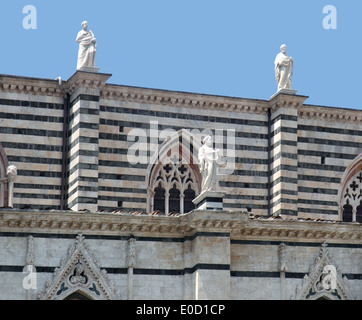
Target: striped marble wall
31, 132
300, 151
329, 139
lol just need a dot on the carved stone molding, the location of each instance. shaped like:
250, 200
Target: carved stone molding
34, 86
287, 230
282, 255
238, 224
131, 253
30, 251
330, 114
80, 273
183, 99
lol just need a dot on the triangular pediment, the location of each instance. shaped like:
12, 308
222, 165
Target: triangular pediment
324, 281
79, 273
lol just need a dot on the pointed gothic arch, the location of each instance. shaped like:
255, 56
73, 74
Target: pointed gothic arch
79, 275
173, 176
324, 281
350, 192
78, 295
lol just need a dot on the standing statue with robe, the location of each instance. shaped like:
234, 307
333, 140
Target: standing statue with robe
87, 47
208, 160
11, 174
284, 69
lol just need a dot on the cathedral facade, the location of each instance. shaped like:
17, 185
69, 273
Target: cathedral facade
98, 182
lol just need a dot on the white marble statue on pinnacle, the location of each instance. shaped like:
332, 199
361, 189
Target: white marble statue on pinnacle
87, 48
283, 69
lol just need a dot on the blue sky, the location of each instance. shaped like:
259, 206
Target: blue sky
223, 47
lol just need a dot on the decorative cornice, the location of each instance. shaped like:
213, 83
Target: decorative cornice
330, 114
237, 224
183, 99
295, 230
95, 80
34, 86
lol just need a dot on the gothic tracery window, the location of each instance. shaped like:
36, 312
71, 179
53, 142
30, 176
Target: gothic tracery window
352, 199
174, 187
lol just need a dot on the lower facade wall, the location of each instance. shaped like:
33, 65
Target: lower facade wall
255, 288
178, 268
151, 287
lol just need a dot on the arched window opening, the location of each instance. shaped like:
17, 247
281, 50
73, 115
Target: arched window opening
189, 196
173, 188
159, 198
347, 212
173, 176
174, 201
359, 213
351, 202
